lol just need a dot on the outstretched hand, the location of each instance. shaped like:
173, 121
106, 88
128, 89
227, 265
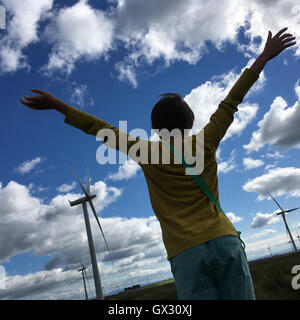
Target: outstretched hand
43, 101
275, 45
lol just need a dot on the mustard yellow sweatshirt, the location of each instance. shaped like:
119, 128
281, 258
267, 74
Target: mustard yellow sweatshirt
187, 217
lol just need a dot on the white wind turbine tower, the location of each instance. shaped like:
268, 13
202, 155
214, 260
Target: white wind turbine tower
88, 198
282, 213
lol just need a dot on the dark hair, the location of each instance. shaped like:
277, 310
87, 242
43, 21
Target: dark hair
171, 112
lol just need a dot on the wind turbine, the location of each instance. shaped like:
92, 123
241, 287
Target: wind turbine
290, 243
269, 250
83, 278
282, 213
88, 198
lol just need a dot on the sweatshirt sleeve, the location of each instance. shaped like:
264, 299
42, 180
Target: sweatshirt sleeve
222, 118
110, 135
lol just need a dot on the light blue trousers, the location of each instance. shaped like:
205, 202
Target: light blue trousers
215, 270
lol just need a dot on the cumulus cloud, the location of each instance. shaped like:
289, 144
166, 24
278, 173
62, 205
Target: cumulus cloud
80, 95
126, 171
279, 126
259, 247
204, 101
79, 32
250, 163
35, 283
28, 165
148, 32
233, 218
262, 233
159, 31
275, 155
229, 165
263, 219
21, 30
45, 228
66, 187
126, 72
58, 230
277, 181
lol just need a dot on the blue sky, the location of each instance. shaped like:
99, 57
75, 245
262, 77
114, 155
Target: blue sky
112, 59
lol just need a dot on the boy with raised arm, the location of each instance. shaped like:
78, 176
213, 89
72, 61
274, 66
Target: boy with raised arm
204, 250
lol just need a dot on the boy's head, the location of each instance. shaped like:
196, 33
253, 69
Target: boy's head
172, 112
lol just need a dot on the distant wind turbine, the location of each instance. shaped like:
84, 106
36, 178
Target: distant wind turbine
88, 198
269, 250
290, 242
82, 270
282, 213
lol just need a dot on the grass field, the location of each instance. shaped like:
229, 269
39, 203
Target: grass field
271, 278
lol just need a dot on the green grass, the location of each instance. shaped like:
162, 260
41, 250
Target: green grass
163, 290
271, 278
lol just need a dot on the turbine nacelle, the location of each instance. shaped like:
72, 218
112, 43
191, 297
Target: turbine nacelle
81, 200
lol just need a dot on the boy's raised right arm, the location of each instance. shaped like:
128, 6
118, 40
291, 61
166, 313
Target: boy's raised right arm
220, 121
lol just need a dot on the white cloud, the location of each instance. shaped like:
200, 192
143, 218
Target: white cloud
210, 94
167, 31
126, 72
46, 228
58, 230
297, 225
250, 163
229, 165
263, 219
262, 233
233, 218
80, 95
278, 182
279, 126
21, 30
218, 154
36, 283
173, 30
126, 171
66, 187
270, 166
274, 155
28, 165
77, 32
33, 188
259, 248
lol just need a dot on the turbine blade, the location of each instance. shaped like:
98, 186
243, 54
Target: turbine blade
88, 185
95, 214
275, 201
82, 187
291, 210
